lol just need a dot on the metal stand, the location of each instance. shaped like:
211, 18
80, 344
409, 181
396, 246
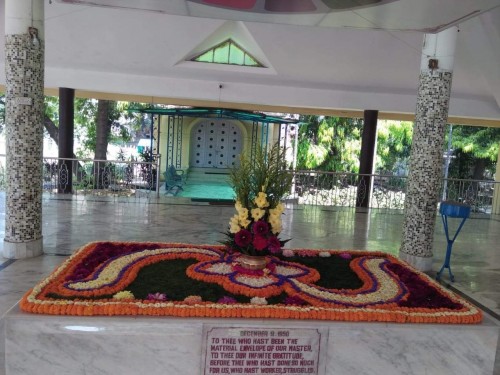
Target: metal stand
451, 209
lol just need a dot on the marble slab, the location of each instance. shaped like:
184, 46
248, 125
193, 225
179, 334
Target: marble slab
40, 344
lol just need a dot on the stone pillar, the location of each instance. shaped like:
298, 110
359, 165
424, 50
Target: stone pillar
426, 159
66, 138
368, 141
24, 68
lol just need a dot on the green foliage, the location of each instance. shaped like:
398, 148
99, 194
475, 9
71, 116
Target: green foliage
475, 151
51, 108
329, 143
268, 172
86, 122
393, 145
170, 277
148, 171
481, 142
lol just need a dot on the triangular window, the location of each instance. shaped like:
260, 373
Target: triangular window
227, 52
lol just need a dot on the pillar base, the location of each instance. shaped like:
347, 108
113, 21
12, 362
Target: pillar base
20, 250
420, 263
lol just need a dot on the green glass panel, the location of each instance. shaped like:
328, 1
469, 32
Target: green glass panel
221, 54
236, 55
228, 52
206, 57
250, 61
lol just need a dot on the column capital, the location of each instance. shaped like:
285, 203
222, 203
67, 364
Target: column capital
438, 51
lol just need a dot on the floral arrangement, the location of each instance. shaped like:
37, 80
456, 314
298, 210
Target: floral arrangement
260, 184
172, 279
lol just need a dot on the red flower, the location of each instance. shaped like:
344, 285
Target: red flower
260, 227
274, 245
260, 243
243, 238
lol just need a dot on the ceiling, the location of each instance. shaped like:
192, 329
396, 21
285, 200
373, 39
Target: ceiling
339, 55
420, 15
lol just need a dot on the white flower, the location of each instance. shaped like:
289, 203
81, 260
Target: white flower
258, 301
324, 254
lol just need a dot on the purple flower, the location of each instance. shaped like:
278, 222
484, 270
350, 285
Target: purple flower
260, 227
157, 297
345, 256
226, 300
243, 238
274, 245
294, 300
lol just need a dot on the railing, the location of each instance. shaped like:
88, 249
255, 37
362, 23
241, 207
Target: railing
134, 178
100, 177
95, 177
344, 189
476, 193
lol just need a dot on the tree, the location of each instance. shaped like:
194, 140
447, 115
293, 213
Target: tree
329, 143
393, 146
93, 121
476, 152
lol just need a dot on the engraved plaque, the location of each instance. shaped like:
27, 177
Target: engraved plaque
252, 350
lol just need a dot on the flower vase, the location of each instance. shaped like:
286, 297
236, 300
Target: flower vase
252, 262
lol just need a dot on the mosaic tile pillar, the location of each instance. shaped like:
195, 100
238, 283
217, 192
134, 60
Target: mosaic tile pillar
495, 209
426, 158
24, 69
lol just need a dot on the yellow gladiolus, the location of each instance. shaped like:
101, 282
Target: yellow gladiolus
261, 200
239, 207
234, 226
275, 222
275, 229
244, 223
243, 214
258, 213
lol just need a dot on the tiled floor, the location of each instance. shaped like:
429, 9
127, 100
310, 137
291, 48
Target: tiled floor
69, 223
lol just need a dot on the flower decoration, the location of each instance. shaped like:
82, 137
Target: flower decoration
384, 288
226, 300
260, 185
294, 300
157, 297
124, 294
258, 301
193, 300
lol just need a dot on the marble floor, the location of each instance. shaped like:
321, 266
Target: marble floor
69, 223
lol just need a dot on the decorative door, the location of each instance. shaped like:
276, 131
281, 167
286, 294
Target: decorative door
215, 143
